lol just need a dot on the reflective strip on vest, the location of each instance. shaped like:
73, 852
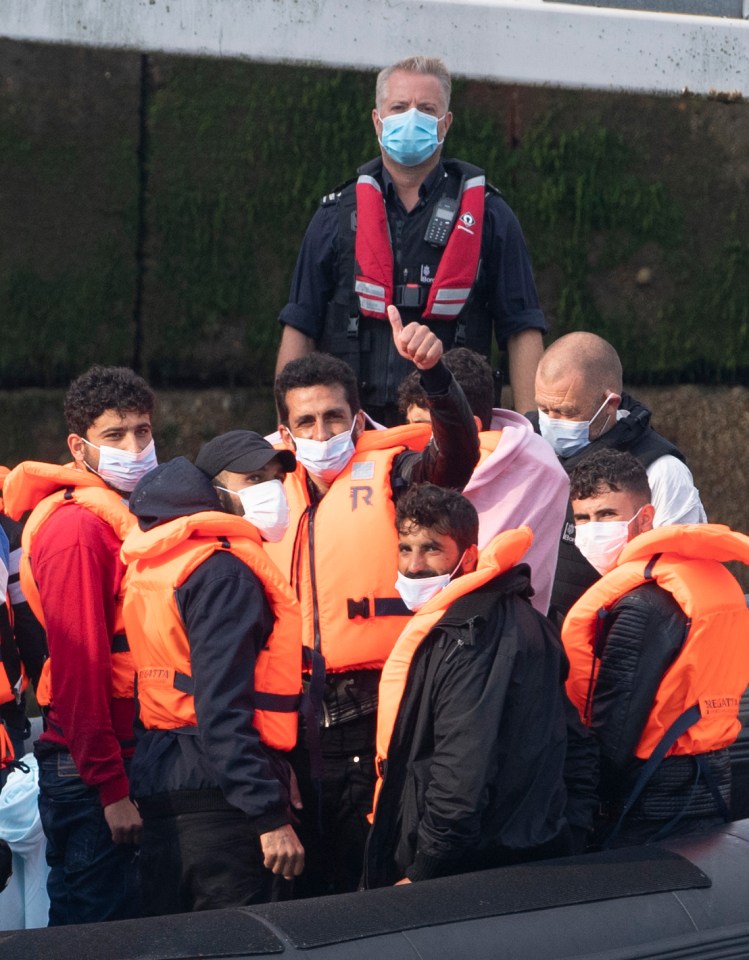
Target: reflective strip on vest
371, 289
372, 306
370, 182
457, 293
471, 182
447, 309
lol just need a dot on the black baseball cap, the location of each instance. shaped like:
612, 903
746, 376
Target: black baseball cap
240, 451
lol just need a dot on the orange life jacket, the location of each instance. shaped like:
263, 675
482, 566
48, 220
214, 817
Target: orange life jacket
7, 753
44, 488
160, 560
341, 554
7, 692
4, 471
712, 669
499, 555
458, 265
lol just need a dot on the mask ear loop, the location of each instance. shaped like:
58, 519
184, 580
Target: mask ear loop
85, 462
372, 422
460, 561
632, 519
608, 416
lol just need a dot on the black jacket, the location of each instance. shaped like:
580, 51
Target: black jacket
220, 764
642, 635
632, 433
475, 772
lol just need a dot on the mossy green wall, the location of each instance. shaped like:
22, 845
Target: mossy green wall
635, 209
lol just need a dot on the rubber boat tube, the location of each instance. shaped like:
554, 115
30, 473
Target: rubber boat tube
681, 899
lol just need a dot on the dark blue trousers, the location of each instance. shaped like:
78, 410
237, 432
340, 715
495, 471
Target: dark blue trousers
91, 879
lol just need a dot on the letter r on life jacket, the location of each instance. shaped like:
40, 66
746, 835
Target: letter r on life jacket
366, 496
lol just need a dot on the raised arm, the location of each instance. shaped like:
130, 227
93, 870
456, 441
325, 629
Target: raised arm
448, 460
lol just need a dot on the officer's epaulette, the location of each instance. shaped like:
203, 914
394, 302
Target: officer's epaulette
490, 188
335, 195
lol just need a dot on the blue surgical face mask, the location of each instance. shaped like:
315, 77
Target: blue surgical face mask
410, 138
568, 437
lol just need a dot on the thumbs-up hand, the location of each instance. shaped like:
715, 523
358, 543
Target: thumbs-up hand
415, 341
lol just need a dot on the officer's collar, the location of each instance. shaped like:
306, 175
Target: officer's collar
426, 188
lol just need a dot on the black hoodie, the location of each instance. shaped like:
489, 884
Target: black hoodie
221, 763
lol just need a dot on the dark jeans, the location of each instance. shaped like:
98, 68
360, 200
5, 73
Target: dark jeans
201, 861
334, 825
90, 878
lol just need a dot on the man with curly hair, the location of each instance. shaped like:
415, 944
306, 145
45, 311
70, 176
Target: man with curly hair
71, 573
472, 721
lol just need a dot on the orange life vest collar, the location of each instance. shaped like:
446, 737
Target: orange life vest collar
458, 265
686, 561
500, 554
31, 481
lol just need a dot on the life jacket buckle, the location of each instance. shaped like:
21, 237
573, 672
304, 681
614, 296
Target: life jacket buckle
352, 330
410, 295
358, 608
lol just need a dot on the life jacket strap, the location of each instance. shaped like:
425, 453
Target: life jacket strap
278, 702
382, 607
311, 708
120, 644
709, 778
184, 683
680, 725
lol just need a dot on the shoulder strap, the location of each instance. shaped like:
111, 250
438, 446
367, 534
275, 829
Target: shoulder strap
371, 168
467, 170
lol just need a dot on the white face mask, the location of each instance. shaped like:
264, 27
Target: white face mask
568, 437
325, 459
122, 469
265, 506
417, 591
601, 541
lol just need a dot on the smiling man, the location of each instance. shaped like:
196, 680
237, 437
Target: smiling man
339, 554
421, 232
71, 575
471, 727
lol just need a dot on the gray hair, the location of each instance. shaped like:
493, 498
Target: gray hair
431, 66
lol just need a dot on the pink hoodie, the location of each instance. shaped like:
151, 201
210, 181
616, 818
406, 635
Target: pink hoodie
519, 480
